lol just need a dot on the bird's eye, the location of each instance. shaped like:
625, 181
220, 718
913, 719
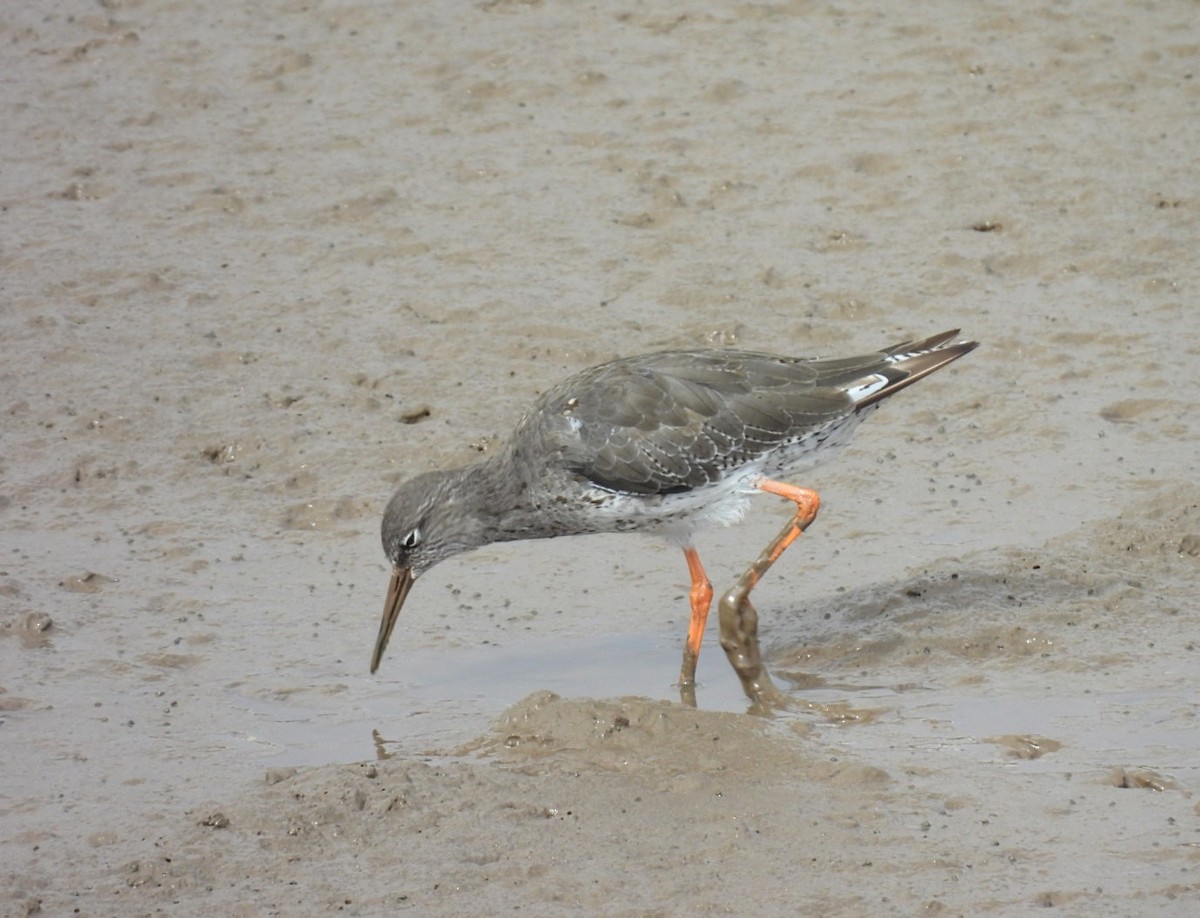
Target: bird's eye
412, 540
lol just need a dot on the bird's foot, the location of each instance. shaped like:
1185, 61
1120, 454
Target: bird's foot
687, 678
687, 694
739, 638
765, 698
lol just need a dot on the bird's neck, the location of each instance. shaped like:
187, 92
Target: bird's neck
502, 499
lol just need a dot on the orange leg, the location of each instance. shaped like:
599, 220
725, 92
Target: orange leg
808, 502
700, 597
739, 620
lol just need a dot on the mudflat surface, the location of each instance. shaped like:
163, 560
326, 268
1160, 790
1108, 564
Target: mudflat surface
260, 262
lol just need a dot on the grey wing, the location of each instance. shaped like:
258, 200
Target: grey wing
673, 421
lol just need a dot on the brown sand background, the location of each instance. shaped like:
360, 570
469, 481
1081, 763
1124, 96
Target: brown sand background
242, 244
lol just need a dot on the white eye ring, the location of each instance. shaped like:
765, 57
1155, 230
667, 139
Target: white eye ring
412, 540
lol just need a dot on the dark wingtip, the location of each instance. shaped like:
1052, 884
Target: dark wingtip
913, 360
932, 343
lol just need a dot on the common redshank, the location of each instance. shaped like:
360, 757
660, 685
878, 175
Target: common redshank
661, 443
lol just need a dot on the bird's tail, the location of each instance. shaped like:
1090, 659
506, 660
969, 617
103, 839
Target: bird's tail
868, 382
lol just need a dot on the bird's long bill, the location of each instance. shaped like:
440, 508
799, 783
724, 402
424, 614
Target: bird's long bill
401, 583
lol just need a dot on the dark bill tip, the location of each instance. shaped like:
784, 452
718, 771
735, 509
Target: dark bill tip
398, 587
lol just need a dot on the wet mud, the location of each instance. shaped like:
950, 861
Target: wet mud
260, 263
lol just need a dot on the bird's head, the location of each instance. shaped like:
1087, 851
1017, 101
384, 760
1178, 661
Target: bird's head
426, 522
430, 518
